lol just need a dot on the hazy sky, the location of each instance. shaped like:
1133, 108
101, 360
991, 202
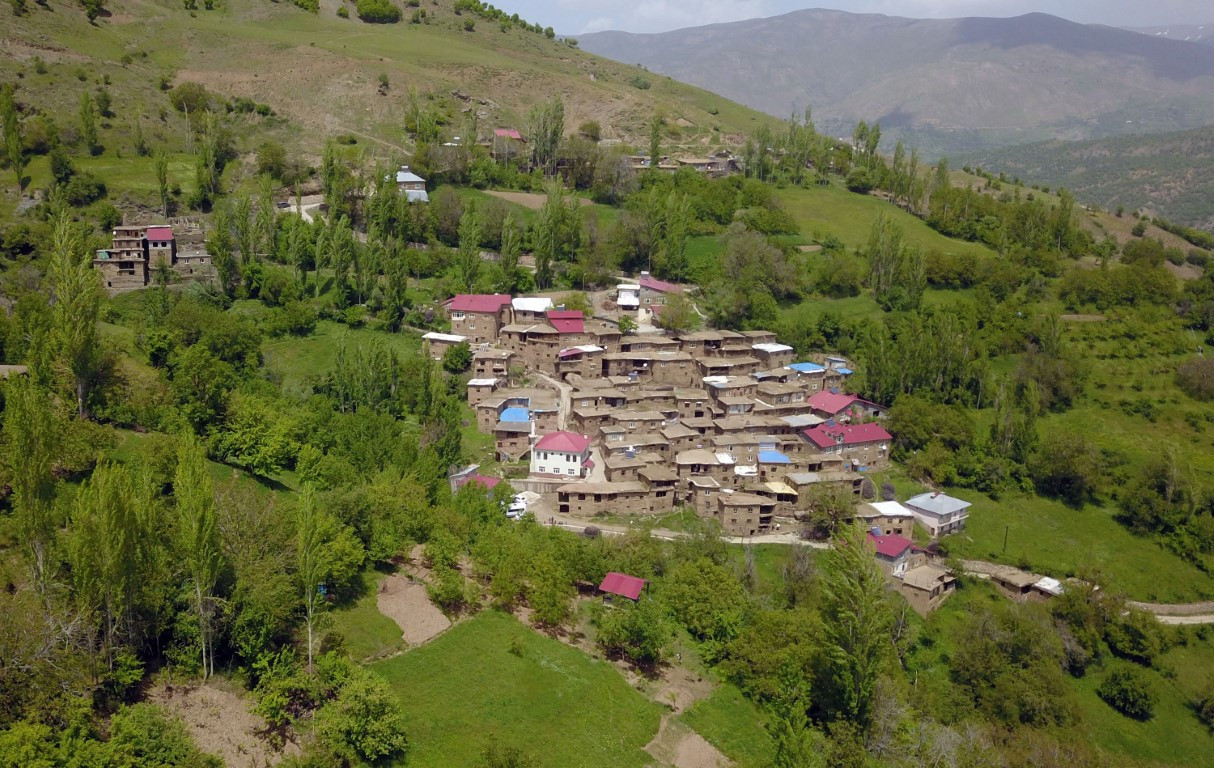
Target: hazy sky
577, 16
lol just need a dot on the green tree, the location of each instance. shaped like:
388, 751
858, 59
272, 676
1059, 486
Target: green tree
197, 538
76, 287
160, 162
88, 124
507, 264
641, 632
457, 358
1128, 690
31, 439
221, 247
363, 725
655, 142
468, 257
546, 127
312, 527
678, 314
856, 621
11, 128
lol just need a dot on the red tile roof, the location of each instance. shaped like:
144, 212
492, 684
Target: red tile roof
160, 233
488, 483
891, 546
661, 286
622, 585
563, 442
824, 435
831, 402
567, 320
480, 302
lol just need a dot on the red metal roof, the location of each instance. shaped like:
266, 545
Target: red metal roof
563, 442
831, 402
508, 133
160, 233
480, 302
891, 546
661, 286
488, 483
567, 320
825, 435
622, 585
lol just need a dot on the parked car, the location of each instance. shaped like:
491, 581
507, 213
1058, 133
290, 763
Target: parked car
517, 508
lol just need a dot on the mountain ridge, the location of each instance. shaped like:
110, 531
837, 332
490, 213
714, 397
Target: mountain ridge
946, 85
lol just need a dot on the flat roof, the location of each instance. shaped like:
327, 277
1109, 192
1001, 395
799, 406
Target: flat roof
481, 382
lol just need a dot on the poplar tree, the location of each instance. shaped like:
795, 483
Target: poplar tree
88, 123
77, 303
508, 260
313, 529
468, 258
11, 128
31, 442
856, 620
219, 245
198, 540
655, 142
161, 164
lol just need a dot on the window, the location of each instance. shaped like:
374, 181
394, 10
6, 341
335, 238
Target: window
571, 471
457, 315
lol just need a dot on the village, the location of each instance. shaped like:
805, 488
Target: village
595, 424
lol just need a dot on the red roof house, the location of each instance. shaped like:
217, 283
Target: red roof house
160, 234
567, 320
488, 483
832, 435
830, 404
507, 133
564, 442
482, 303
622, 585
891, 546
654, 284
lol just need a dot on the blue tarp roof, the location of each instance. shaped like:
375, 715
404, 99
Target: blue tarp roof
516, 414
844, 371
773, 457
807, 367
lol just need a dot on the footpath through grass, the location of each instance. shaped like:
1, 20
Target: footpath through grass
733, 724
492, 680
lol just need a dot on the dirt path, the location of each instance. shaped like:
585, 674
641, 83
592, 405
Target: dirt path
407, 603
221, 724
677, 745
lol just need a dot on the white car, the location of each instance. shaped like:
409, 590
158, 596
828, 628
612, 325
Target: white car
517, 508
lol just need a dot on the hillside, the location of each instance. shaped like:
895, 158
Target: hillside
1171, 174
946, 85
321, 74
1194, 33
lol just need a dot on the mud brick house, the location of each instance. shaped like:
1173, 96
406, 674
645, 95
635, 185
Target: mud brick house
744, 514
860, 444
439, 343
479, 317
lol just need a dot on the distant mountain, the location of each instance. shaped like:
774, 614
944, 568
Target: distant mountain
1172, 174
1191, 33
947, 85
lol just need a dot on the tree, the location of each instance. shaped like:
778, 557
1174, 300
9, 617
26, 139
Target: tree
678, 314
457, 358
556, 232
468, 258
627, 325
220, 246
1067, 466
88, 124
507, 263
161, 164
640, 632
655, 142
31, 439
857, 619
76, 287
363, 725
197, 538
11, 128
312, 563
546, 126
1128, 690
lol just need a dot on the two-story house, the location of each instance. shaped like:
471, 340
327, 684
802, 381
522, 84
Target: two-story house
562, 453
939, 514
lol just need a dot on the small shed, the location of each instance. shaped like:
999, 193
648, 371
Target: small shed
623, 585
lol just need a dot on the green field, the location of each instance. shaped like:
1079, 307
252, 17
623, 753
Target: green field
365, 631
733, 724
295, 361
466, 689
834, 210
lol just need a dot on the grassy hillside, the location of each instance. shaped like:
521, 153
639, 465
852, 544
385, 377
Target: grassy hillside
320, 75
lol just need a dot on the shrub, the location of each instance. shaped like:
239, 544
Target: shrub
190, 97
1139, 229
639, 82
1196, 378
1203, 705
363, 724
457, 358
343, 12
377, 11
1128, 690
469, 25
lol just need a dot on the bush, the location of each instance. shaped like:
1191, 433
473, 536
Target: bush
1196, 378
1203, 705
84, 188
639, 82
469, 25
190, 98
377, 11
343, 12
457, 358
1128, 690
363, 724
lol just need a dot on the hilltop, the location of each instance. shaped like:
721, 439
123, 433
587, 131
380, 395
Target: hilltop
1194, 33
947, 85
1169, 174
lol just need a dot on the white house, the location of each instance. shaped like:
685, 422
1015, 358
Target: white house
628, 295
939, 514
412, 185
562, 453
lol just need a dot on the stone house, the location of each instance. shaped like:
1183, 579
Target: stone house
860, 444
744, 514
439, 343
479, 317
